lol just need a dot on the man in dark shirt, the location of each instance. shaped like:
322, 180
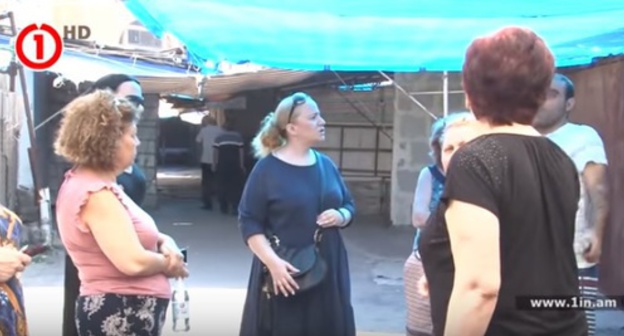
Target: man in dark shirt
134, 183
229, 168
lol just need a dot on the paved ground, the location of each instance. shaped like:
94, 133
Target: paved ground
219, 264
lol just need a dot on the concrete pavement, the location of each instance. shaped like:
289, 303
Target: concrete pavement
214, 311
219, 264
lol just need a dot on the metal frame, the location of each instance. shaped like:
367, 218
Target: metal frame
363, 110
445, 94
383, 175
341, 149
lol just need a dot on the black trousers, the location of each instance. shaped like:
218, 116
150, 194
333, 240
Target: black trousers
207, 179
229, 189
72, 290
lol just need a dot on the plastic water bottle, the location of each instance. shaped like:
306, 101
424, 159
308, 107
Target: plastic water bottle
180, 307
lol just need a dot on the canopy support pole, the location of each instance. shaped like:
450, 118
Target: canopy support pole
445, 93
365, 115
403, 91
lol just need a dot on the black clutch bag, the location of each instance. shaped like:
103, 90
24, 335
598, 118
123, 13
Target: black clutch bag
311, 265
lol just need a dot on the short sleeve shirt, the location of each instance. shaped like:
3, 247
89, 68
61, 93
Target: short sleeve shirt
531, 186
583, 145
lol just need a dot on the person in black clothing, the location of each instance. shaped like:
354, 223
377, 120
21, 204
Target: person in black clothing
504, 229
229, 163
132, 181
205, 138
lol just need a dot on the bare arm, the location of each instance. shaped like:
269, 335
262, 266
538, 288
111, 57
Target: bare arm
594, 177
167, 242
591, 161
260, 246
114, 233
476, 256
422, 198
163, 239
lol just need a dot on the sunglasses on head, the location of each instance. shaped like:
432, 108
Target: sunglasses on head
297, 100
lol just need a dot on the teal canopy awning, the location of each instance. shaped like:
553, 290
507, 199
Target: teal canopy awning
371, 35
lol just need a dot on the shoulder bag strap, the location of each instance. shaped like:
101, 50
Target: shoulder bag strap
272, 237
321, 170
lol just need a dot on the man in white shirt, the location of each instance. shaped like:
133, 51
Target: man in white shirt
205, 138
585, 147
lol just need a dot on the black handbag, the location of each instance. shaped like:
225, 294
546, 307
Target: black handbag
308, 260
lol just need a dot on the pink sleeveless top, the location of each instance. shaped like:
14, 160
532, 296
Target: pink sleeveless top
97, 273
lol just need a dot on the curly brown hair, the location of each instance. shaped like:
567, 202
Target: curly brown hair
506, 75
92, 127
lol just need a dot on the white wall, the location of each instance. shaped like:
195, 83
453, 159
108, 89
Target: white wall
24, 175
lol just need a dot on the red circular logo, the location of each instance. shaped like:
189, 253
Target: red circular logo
38, 48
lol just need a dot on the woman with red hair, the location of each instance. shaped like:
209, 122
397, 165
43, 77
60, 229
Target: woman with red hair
503, 232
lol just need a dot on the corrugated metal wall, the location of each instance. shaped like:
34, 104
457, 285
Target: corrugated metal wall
600, 103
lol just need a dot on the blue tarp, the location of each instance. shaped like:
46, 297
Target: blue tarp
389, 35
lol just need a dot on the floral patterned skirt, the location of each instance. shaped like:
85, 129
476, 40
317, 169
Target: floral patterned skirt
116, 315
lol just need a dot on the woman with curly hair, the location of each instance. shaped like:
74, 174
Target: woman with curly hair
132, 180
123, 261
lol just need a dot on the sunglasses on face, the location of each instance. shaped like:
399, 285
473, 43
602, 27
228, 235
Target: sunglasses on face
297, 100
136, 100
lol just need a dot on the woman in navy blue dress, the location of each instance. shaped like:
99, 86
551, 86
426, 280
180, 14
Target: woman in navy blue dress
283, 194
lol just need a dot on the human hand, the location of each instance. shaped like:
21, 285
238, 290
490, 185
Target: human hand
594, 250
168, 246
12, 262
423, 286
330, 217
281, 273
176, 268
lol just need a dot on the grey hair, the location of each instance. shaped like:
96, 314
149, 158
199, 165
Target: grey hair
438, 128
